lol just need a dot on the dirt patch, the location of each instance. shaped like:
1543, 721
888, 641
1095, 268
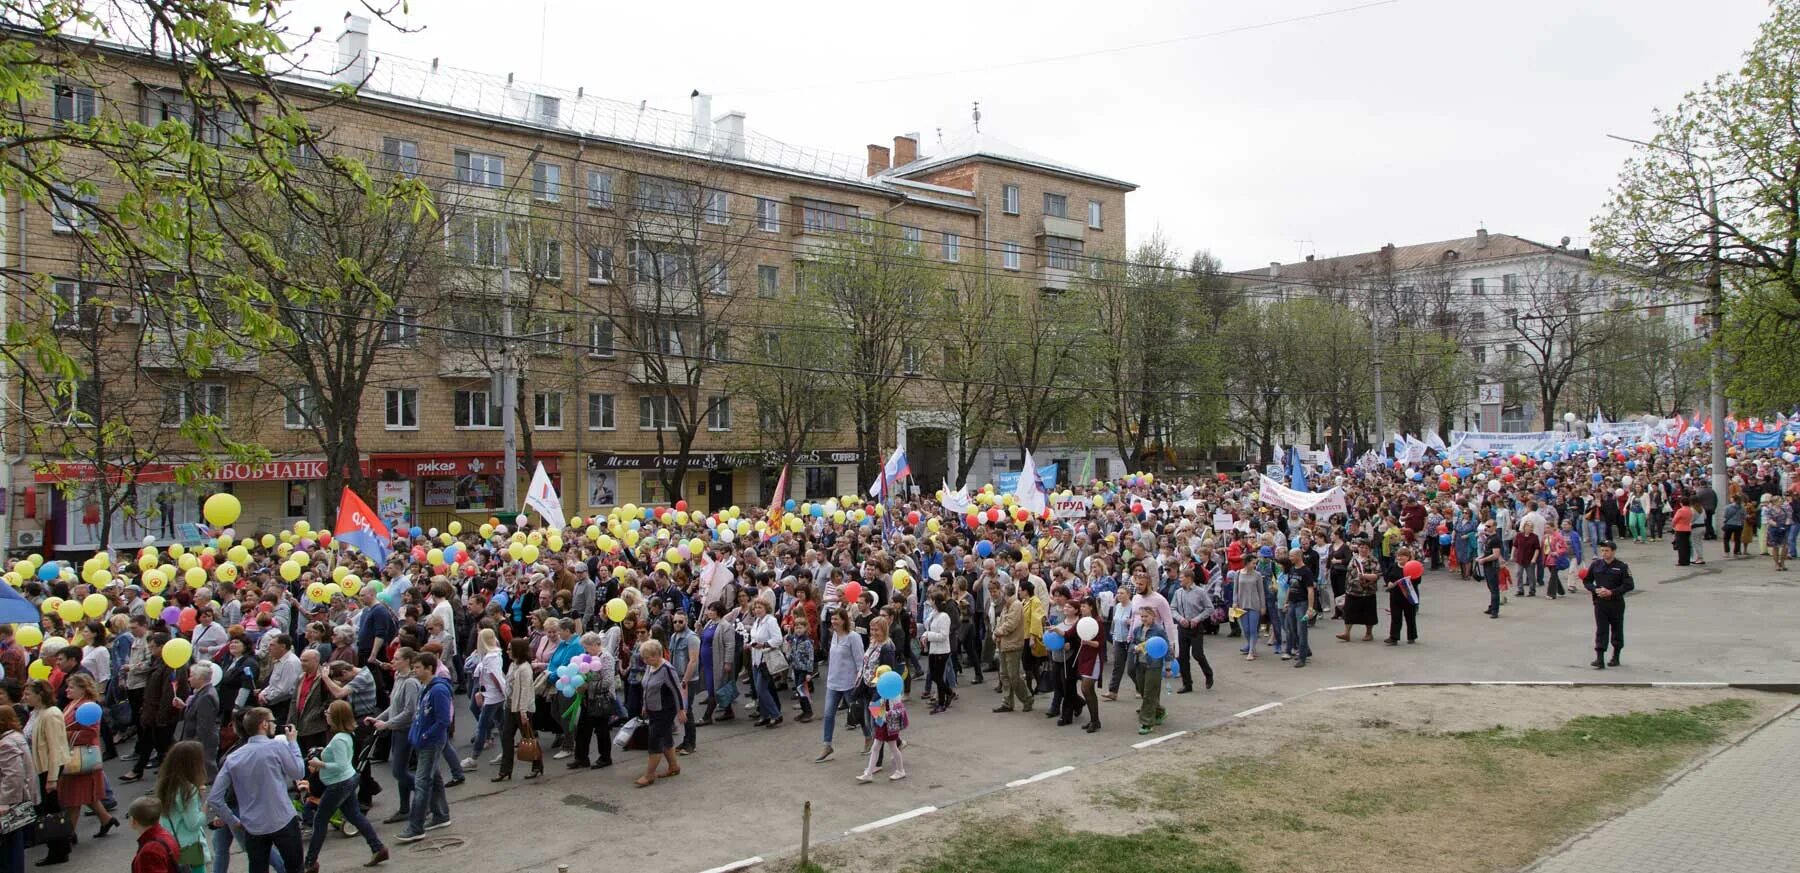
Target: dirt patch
1392, 779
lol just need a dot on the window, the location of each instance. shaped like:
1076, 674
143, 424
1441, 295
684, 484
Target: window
718, 279
1511, 316
68, 210
475, 240
1058, 423
911, 358
1099, 423
768, 214
911, 238
656, 413
600, 189
400, 155
952, 247
75, 104
1094, 214
768, 280
1478, 286
402, 327
474, 409
600, 338
665, 267
1512, 355
472, 326
162, 104
302, 408
817, 216
75, 307
651, 490
79, 402
1478, 320
1480, 353
718, 207
1061, 253
600, 265
600, 412
546, 258
546, 182
766, 419
718, 413
661, 339
1009, 199
1056, 205
200, 400
477, 168
664, 195
770, 342
718, 345
1009, 255
403, 408
546, 410
1509, 283
821, 483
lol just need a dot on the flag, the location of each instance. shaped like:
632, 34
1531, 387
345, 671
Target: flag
778, 502
1296, 471
1399, 446
1030, 491
957, 501
1329, 464
1087, 468
1433, 441
892, 472
15, 609
357, 525
542, 497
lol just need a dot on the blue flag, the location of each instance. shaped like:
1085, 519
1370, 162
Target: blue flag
1296, 472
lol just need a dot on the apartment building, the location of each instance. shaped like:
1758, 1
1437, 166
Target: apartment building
612, 255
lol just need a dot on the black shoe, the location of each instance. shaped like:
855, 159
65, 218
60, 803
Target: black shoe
1091, 726
1003, 709
761, 722
397, 817
107, 828
1614, 662
1187, 690
1064, 722
776, 722
603, 765
1598, 664
50, 862
504, 777
1391, 642
455, 782
1209, 683
578, 765
1051, 713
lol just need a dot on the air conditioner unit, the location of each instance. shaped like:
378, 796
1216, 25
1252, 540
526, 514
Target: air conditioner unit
29, 539
127, 315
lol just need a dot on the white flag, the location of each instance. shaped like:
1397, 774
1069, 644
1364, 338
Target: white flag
957, 501
542, 497
1030, 491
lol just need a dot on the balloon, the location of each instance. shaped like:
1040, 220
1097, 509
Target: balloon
29, 635
1054, 641
218, 673
1087, 628
39, 670
1494, 486
1156, 647
221, 509
851, 592
153, 605
616, 608
195, 577
528, 554
1444, 539
316, 593
94, 605
890, 686
1414, 570
88, 714
936, 571
171, 615
70, 610
177, 652
901, 579
984, 549
47, 572
187, 619
290, 570
226, 573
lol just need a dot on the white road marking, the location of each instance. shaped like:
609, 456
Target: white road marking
1688, 685
1047, 774
1154, 740
1364, 685
736, 865
1525, 682
1256, 709
892, 820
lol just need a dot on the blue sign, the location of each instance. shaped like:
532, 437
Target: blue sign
1009, 481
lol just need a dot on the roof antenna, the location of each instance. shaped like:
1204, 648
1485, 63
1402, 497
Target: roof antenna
940, 133
977, 115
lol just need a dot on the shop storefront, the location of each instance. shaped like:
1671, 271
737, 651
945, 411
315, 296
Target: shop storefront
423, 488
714, 480
274, 496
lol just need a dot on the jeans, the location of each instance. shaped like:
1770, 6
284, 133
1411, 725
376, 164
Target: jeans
1734, 540
1150, 672
12, 851
1294, 617
1490, 573
1193, 648
1531, 575
487, 721
768, 704
221, 849
1250, 621
1684, 547
342, 796
832, 698
284, 842
400, 764
428, 789
693, 724
451, 761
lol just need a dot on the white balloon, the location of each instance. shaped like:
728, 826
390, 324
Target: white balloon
1593, 462
1087, 628
725, 535
936, 572
1494, 486
1626, 481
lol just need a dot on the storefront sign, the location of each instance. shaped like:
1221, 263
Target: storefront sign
231, 472
448, 466
715, 460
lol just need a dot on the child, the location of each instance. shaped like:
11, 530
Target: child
1150, 670
890, 719
156, 851
800, 661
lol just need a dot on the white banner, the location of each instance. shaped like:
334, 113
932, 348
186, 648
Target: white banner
1274, 493
1490, 442
1069, 507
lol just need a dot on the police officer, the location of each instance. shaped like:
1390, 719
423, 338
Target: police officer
1608, 579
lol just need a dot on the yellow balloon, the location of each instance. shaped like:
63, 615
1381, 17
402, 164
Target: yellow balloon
681, 517
664, 566
94, 605
631, 539
616, 608
268, 541
187, 562
224, 541
176, 549
155, 580
455, 528
436, 557
338, 573
177, 652
555, 542
290, 570
285, 549
619, 572
516, 551
332, 589
195, 576
528, 553
14, 579
593, 532
28, 635
301, 528
487, 530
100, 578
226, 572
221, 510
153, 605
351, 584
301, 557
446, 539
39, 670
838, 517
317, 593
146, 561
70, 610
901, 579
238, 555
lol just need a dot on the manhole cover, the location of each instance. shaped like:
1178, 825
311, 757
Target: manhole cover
438, 846
590, 803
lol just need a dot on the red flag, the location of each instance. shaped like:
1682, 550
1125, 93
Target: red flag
357, 525
776, 504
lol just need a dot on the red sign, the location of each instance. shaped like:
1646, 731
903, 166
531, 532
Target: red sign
448, 466
231, 472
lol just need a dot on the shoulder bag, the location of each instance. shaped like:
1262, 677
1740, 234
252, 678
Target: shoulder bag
529, 747
83, 759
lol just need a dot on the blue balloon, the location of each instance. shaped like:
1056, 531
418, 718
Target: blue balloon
636, 524
500, 599
1443, 539
1631, 465
416, 531
818, 510
48, 572
1597, 478
790, 505
1156, 647
890, 685
88, 714
1054, 641
983, 548
1550, 482
1416, 475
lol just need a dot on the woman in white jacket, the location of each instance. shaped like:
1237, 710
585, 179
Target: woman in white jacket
765, 635
487, 675
937, 650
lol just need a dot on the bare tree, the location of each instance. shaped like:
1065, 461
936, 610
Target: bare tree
1557, 333
968, 381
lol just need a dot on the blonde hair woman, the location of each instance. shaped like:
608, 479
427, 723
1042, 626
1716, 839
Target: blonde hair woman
664, 706
487, 675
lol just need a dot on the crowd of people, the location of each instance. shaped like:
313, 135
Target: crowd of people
261, 682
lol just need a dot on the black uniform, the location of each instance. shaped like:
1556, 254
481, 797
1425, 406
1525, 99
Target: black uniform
1609, 612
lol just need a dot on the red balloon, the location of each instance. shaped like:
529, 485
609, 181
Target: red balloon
912, 517
468, 569
1021, 514
1581, 574
974, 519
851, 592
1137, 508
324, 538
994, 514
1414, 569
187, 621
1443, 528
1507, 477
418, 554
659, 512
869, 508
681, 506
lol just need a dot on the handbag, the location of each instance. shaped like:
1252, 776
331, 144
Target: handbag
193, 855
622, 738
529, 747
775, 661
17, 816
86, 759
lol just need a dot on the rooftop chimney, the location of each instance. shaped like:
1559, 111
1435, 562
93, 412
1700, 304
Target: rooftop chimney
1309, 259
1481, 238
702, 120
729, 128
1274, 269
906, 149
878, 160
353, 50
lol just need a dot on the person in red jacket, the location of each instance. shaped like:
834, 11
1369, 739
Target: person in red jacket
157, 851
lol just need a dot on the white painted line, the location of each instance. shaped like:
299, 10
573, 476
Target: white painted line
1256, 709
1527, 682
892, 820
736, 865
1154, 740
1364, 685
1047, 774
1688, 684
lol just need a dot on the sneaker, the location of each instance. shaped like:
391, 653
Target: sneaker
469, 763
825, 755
409, 837
561, 754
455, 782
864, 778
1286, 657
438, 824
397, 817
1143, 730
897, 776
495, 759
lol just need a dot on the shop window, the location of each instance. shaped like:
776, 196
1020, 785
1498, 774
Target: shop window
298, 494
651, 491
821, 483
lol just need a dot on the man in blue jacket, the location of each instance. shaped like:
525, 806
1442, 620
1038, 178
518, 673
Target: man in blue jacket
430, 731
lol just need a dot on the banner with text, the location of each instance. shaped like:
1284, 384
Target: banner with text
1496, 443
1008, 482
1324, 504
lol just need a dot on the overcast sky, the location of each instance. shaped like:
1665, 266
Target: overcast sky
1407, 122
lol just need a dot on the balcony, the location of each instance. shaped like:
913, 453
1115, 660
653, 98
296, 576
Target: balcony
1068, 228
650, 369
163, 350
665, 298
1057, 279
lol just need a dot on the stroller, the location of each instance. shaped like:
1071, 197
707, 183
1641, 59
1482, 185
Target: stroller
305, 802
